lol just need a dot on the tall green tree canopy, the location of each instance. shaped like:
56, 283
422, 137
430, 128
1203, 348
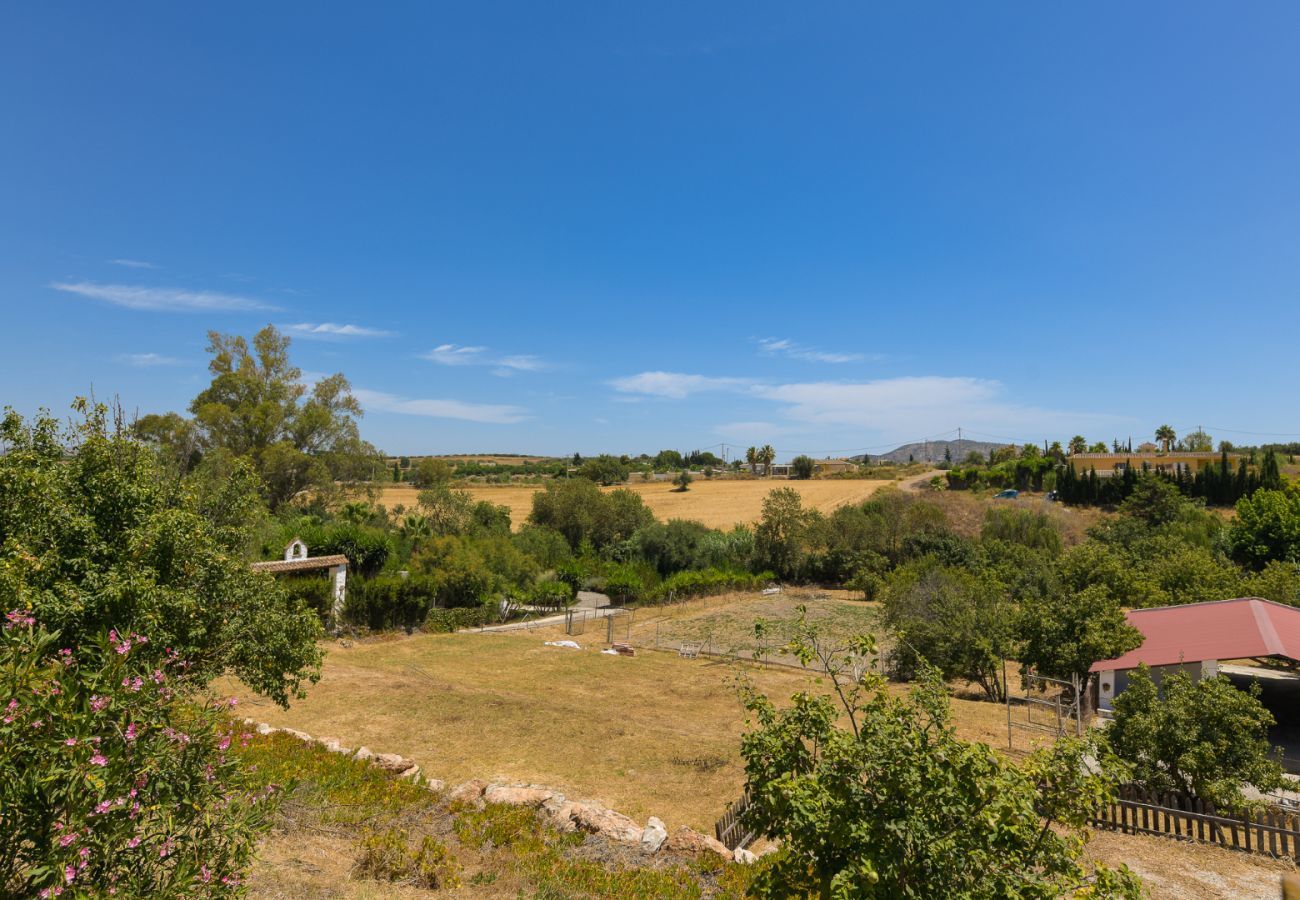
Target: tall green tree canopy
97, 533
257, 407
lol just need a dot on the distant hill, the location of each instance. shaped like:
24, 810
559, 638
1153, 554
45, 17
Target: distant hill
932, 451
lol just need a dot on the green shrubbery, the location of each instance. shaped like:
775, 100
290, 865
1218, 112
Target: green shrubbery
108, 782
390, 601
703, 582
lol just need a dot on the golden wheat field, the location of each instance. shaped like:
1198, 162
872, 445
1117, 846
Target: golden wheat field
717, 504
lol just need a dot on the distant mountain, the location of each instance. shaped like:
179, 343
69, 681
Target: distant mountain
932, 451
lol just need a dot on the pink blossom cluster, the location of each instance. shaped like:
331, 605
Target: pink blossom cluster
19, 618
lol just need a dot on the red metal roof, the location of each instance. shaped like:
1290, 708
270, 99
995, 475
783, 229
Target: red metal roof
1221, 629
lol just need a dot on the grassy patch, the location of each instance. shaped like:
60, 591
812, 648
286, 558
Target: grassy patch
378, 836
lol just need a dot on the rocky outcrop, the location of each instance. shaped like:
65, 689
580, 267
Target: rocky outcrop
689, 841
467, 792
519, 795
605, 822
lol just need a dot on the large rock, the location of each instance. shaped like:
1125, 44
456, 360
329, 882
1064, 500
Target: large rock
411, 774
467, 792
559, 813
688, 840
264, 728
391, 762
744, 857
365, 753
300, 735
606, 823
519, 795
437, 785
654, 835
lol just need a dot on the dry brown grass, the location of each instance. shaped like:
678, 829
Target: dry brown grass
647, 735
720, 503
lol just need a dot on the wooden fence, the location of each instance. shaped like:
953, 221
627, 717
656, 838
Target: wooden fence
1188, 818
730, 829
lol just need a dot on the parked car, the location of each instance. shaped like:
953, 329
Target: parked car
1006, 495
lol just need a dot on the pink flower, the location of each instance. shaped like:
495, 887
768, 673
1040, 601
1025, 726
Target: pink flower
99, 703
133, 843
18, 618
103, 807
99, 760
130, 736
224, 743
206, 873
158, 676
70, 873
232, 702
71, 742
69, 838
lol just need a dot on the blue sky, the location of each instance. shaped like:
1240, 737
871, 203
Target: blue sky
614, 227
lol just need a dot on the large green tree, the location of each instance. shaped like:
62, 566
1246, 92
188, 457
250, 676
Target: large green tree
97, 533
1062, 634
1201, 737
257, 407
957, 620
876, 797
1267, 528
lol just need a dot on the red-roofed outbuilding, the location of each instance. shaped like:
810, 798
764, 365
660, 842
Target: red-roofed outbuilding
1195, 636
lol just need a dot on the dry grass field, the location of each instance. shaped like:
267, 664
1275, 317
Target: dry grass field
652, 734
718, 504
647, 735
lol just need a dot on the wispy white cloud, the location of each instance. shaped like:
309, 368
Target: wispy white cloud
489, 413
156, 299
329, 331
503, 366
146, 360
133, 263
891, 407
676, 385
786, 347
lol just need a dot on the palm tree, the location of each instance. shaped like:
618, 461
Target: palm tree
1078, 444
767, 456
1166, 436
751, 457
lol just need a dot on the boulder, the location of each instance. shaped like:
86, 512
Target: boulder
606, 823
391, 762
744, 857
364, 753
300, 735
559, 813
467, 792
412, 774
688, 840
654, 835
519, 795
437, 785
264, 728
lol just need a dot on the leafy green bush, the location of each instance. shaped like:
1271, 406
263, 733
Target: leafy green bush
629, 582
388, 856
447, 620
366, 548
108, 781
704, 582
551, 594
314, 592
390, 601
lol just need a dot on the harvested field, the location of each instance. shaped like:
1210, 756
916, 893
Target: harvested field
718, 504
